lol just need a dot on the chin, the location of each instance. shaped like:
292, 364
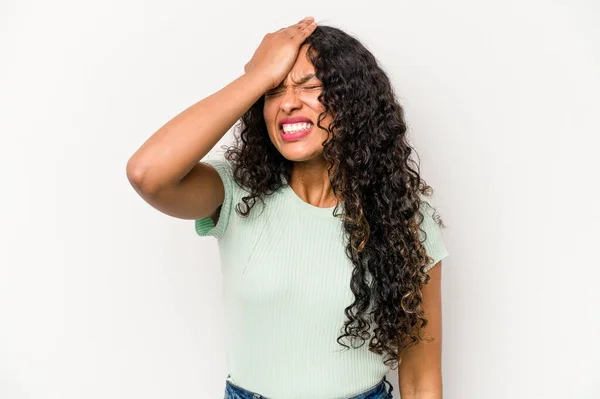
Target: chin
302, 155
300, 151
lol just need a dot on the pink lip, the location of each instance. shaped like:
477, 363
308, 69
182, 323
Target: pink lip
287, 137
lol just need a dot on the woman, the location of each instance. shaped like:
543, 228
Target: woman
330, 281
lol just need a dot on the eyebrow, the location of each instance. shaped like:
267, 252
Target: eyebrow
302, 80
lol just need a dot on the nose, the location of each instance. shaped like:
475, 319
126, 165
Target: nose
290, 100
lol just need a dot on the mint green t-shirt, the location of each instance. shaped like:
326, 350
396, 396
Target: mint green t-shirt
286, 282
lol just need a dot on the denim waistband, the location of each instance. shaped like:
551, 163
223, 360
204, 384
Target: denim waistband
379, 391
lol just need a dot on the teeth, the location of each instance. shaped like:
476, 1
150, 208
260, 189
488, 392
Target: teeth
296, 127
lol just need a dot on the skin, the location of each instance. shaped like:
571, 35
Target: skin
420, 372
309, 177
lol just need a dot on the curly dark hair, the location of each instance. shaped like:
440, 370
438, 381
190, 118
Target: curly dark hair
379, 182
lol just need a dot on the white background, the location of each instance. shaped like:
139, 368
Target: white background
101, 296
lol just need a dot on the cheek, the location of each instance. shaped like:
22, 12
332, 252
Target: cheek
270, 109
315, 104
269, 113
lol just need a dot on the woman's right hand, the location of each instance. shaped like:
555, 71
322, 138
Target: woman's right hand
277, 53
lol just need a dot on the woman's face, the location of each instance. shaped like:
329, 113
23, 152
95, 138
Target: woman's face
296, 97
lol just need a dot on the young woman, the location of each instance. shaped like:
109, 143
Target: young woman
328, 245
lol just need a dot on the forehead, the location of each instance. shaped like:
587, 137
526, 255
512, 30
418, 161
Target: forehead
302, 67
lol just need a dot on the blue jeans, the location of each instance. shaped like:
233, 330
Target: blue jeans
379, 391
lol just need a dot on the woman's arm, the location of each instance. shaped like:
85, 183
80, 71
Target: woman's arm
420, 372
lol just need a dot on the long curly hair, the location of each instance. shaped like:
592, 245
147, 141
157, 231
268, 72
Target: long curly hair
375, 176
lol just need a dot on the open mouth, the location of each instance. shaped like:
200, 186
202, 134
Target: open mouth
294, 128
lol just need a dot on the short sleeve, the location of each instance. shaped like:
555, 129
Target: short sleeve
434, 241
205, 226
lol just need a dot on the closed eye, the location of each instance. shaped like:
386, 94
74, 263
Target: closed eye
273, 93
282, 90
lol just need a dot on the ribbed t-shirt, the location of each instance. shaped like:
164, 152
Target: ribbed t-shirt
286, 282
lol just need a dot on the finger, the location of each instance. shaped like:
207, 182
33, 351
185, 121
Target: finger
301, 24
288, 27
305, 19
297, 29
304, 23
305, 31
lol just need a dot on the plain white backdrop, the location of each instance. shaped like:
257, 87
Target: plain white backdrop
101, 296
